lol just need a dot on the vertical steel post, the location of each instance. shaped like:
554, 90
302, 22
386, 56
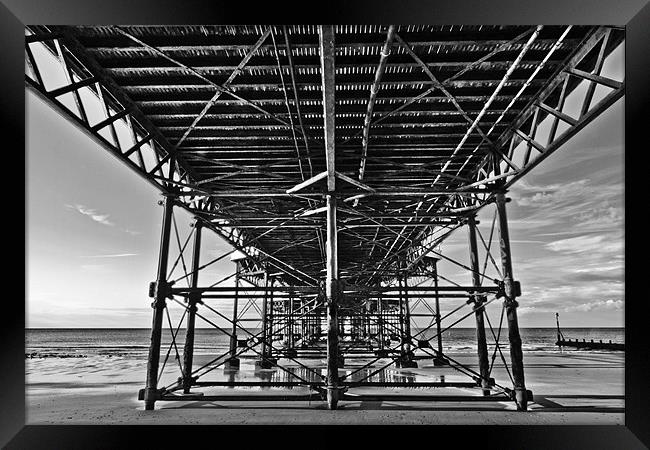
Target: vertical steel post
265, 331
437, 299
160, 293
367, 324
290, 317
402, 330
271, 334
484, 366
407, 311
233, 361
516, 354
332, 292
380, 319
194, 298
439, 359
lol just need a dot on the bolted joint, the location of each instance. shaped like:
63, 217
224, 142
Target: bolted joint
512, 288
160, 289
478, 300
511, 303
501, 288
193, 299
187, 380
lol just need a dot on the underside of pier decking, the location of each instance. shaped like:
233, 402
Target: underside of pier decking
334, 160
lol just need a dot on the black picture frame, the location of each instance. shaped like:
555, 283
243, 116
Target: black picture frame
633, 14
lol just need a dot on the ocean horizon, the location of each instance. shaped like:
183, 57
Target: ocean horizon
134, 342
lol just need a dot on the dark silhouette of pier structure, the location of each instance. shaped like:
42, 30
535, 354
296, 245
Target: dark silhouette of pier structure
335, 160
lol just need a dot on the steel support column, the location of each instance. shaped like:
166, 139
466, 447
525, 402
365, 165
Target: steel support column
484, 366
407, 312
402, 317
439, 360
332, 292
516, 354
233, 361
159, 294
193, 299
265, 323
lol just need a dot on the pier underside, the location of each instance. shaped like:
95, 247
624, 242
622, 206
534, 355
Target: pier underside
334, 160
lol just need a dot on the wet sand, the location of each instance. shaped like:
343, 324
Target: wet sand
576, 387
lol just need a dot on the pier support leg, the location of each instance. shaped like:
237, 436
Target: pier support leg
439, 360
516, 354
194, 298
159, 294
484, 366
233, 361
265, 361
332, 292
407, 357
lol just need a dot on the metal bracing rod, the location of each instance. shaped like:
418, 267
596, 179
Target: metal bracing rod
197, 74
439, 85
172, 344
72, 85
295, 96
516, 354
274, 262
286, 102
193, 299
252, 336
259, 193
560, 76
487, 247
437, 322
321, 243
452, 362
497, 347
597, 69
150, 391
374, 89
478, 312
459, 264
505, 78
181, 249
283, 291
502, 47
90, 65
559, 107
521, 90
226, 84
239, 353
265, 339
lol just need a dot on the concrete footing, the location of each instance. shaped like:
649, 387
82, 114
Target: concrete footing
407, 364
232, 363
440, 361
267, 363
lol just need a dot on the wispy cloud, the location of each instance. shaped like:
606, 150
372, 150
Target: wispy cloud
99, 217
92, 213
116, 255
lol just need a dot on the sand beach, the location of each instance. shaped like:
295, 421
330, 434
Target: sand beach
569, 387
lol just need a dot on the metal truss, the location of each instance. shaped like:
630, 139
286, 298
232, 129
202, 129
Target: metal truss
337, 200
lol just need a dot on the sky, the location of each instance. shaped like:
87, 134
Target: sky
93, 231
